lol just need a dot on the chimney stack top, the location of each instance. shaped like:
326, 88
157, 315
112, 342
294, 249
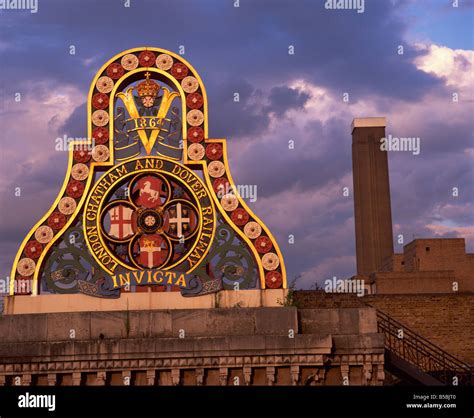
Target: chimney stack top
379, 122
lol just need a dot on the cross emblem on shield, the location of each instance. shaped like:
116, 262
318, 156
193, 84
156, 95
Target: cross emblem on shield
120, 222
153, 251
182, 220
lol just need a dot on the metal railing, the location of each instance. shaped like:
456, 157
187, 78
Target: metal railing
423, 354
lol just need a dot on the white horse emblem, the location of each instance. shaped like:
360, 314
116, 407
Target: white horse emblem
154, 194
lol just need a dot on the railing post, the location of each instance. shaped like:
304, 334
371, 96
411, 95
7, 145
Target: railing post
444, 368
417, 355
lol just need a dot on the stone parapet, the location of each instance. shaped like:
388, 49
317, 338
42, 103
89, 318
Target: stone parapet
256, 298
239, 346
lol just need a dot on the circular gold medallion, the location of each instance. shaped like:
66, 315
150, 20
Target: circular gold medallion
79, 171
164, 62
216, 169
26, 267
196, 152
252, 230
129, 62
100, 118
105, 84
44, 234
195, 117
270, 261
229, 202
100, 153
67, 205
190, 84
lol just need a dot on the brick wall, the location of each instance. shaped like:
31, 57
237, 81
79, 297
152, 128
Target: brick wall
423, 282
445, 320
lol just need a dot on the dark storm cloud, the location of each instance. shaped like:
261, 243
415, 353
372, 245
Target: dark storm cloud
316, 236
283, 99
417, 188
76, 125
346, 51
228, 119
321, 154
38, 185
250, 115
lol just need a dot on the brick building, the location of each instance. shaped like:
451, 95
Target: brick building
433, 265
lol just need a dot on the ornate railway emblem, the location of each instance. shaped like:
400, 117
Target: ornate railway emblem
143, 206
149, 212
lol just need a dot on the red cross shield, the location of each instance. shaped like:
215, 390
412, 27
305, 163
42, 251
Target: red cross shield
120, 222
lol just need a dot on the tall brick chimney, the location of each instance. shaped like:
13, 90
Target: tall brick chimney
373, 215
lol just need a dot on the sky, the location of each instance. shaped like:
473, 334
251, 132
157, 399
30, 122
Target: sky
283, 97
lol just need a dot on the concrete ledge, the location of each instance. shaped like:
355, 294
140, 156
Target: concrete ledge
184, 324
178, 348
358, 344
143, 301
347, 321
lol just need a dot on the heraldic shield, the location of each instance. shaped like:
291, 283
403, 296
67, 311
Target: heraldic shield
148, 201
